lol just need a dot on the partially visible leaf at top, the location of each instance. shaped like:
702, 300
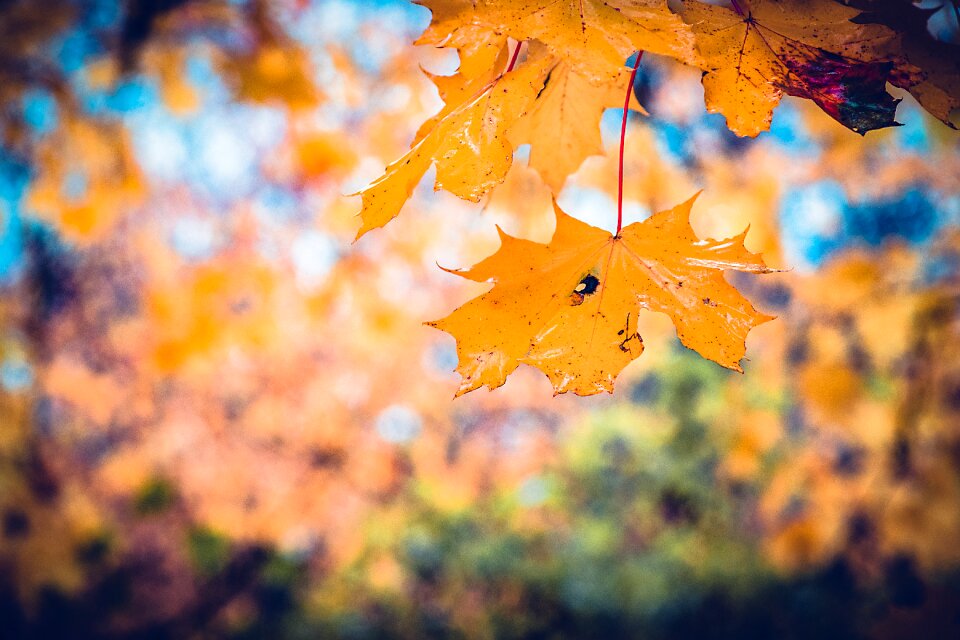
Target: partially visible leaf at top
469, 145
595, 37
937, 85
929, 68
570, 307
809, 50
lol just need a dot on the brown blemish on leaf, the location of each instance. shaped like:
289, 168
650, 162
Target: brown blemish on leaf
628, 336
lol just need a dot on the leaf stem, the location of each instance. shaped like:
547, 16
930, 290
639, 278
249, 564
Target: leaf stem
737, 7
623, 135
513, 60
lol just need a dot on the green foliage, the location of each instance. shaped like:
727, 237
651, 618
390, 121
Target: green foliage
209, 551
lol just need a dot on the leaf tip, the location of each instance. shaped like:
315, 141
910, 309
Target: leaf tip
456, 272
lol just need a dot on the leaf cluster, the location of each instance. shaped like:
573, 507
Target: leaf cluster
750, 53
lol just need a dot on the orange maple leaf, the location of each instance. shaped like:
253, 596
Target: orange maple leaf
563, 125
809, 50
570, 307
468, 144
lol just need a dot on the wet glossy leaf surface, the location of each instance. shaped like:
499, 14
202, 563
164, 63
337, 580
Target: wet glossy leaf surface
571, 308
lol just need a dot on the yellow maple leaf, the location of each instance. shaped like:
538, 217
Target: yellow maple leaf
563, 125
810, 50
469, 146
458, 89
570, 307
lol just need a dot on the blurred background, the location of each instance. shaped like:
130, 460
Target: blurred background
219, 418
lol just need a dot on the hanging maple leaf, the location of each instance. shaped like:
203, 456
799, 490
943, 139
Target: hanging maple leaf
550, 106
593, 36
809, 50
460, 88
469, 145
570, 307
563, 125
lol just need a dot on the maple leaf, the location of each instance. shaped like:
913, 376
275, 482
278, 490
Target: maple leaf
478, 45
927, 67
563, 125
937, 86
594, 36
809, 50
458, 89
469, 146
570, 307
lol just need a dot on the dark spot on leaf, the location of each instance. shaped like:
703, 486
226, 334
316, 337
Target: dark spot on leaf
587, 286
629, 336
